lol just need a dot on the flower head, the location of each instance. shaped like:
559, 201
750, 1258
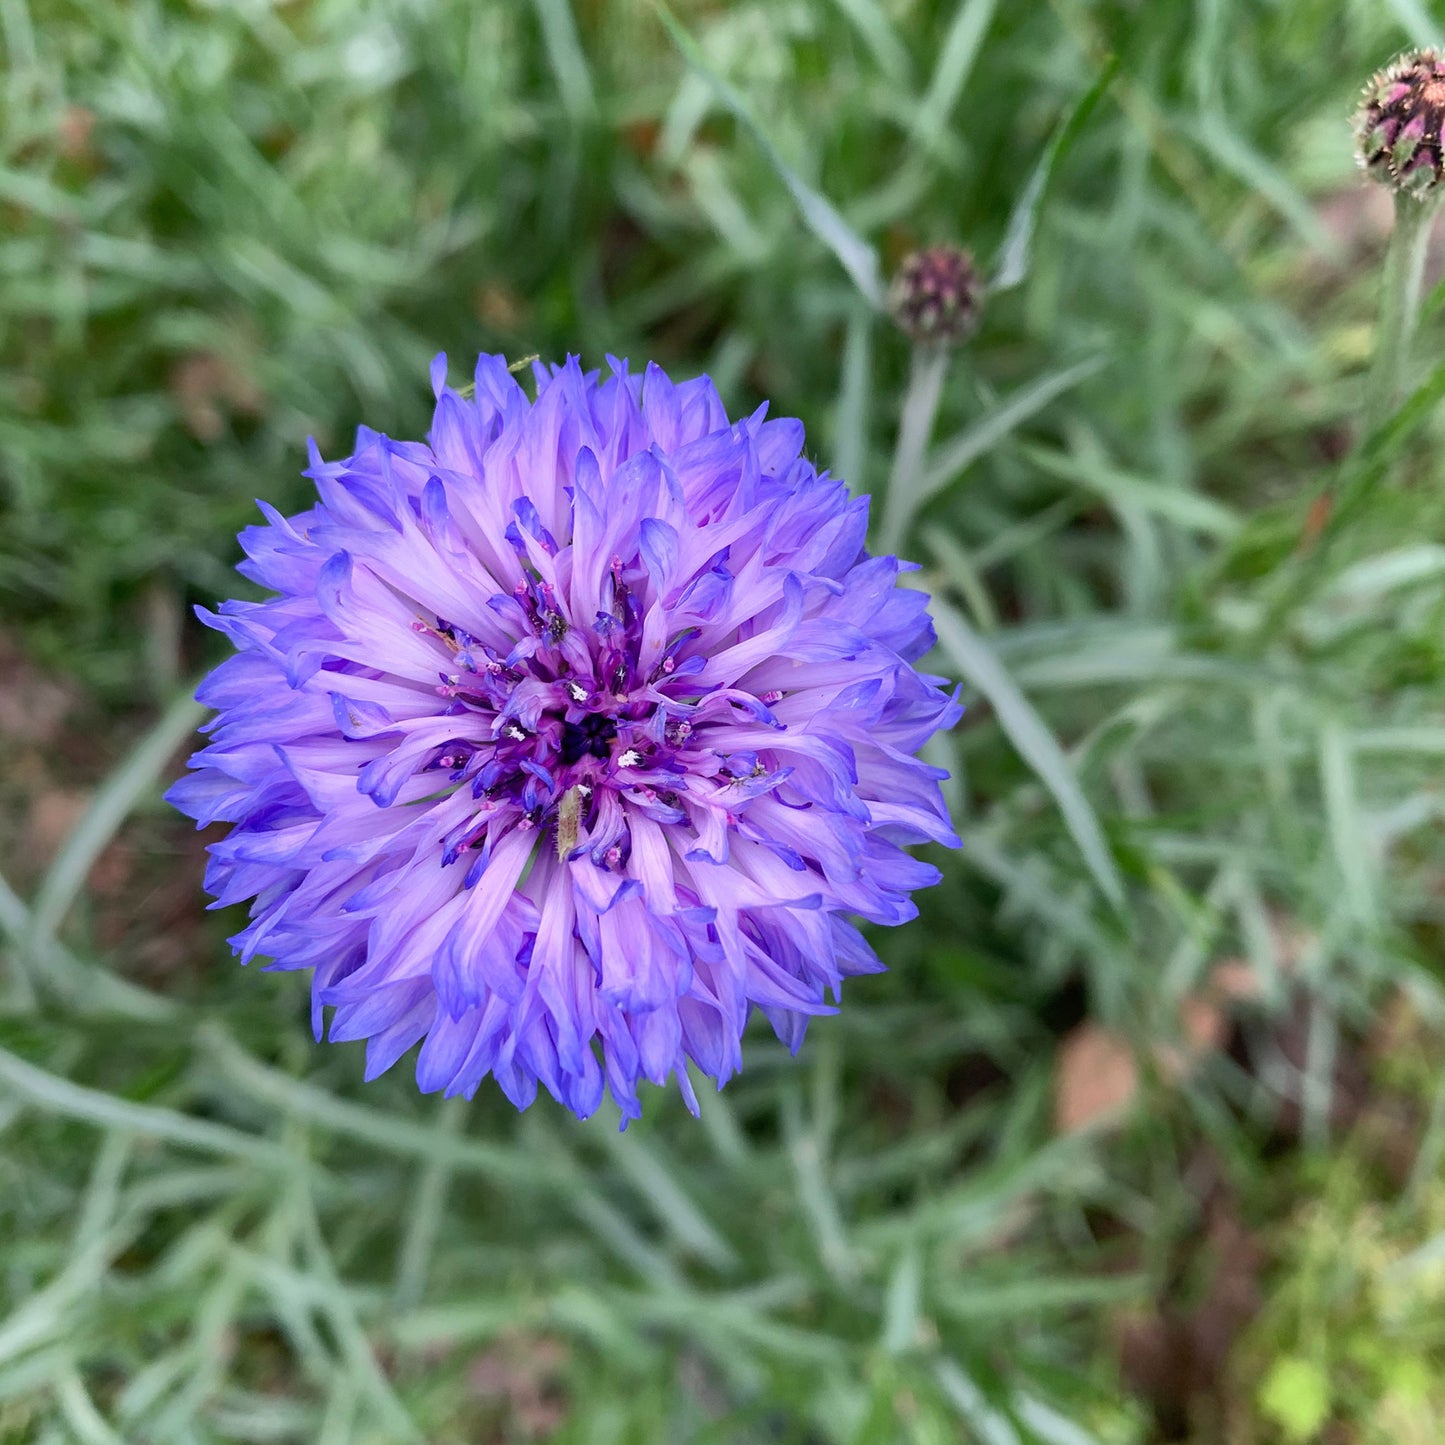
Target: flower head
570, 737
1398, 126
937, 295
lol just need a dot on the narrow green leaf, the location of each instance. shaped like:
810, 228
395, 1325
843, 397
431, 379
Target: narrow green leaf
1048, 1426
1416, 21
955, 457
1037, 746
955, 64
110, 807
55, 1095
878, 34
1012, 263
856, 256
1370, 578
850, 428
1348, 835
424, 1215
670, 1201
1033, 1298
903, 1302
988, 1425
87, 989
389, 1132
564, 53
88, 1424
1217, 137
1187, 509
1424, 740
927, 371
610, 1225
45, 1313
815, 1194
351, 1334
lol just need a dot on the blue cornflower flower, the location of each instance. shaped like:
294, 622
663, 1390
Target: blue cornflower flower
569, 737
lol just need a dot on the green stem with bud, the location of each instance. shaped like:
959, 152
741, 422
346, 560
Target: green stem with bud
1399, 307
1338, 501
928, 368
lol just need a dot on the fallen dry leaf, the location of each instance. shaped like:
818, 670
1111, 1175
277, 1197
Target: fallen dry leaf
500, 308
202, 383
1096, 1077
32, 706
74, 131
1234, 979
53, 814
520, 1373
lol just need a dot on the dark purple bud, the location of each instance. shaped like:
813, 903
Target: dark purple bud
1398, 126
937, 295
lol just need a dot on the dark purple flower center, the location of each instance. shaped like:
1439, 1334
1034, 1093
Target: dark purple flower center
594, 735
563, 720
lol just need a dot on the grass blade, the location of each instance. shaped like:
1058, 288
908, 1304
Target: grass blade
955, 64
1190, 510
1213, 133
55, 1095
856, 256
850, 444
1416, 21
986, 1423
564, 53
674, 1206
1349, 838
424, 1217
928, 369
88, 989
1048, 1426
1037, 746
1011, 265
110, 807
956, 456
388, 1132
878, 34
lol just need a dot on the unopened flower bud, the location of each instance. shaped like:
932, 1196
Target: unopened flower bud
937, 295
1398, 127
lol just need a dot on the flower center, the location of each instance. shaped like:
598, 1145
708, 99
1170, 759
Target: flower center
592, 736
568, 716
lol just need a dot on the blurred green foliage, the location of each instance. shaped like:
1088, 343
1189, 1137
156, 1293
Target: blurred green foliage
226, 226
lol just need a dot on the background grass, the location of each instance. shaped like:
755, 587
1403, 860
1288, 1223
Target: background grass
1141, 1138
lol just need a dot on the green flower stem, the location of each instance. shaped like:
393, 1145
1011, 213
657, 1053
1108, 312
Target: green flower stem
1341, 498
1399, 307
926, 375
